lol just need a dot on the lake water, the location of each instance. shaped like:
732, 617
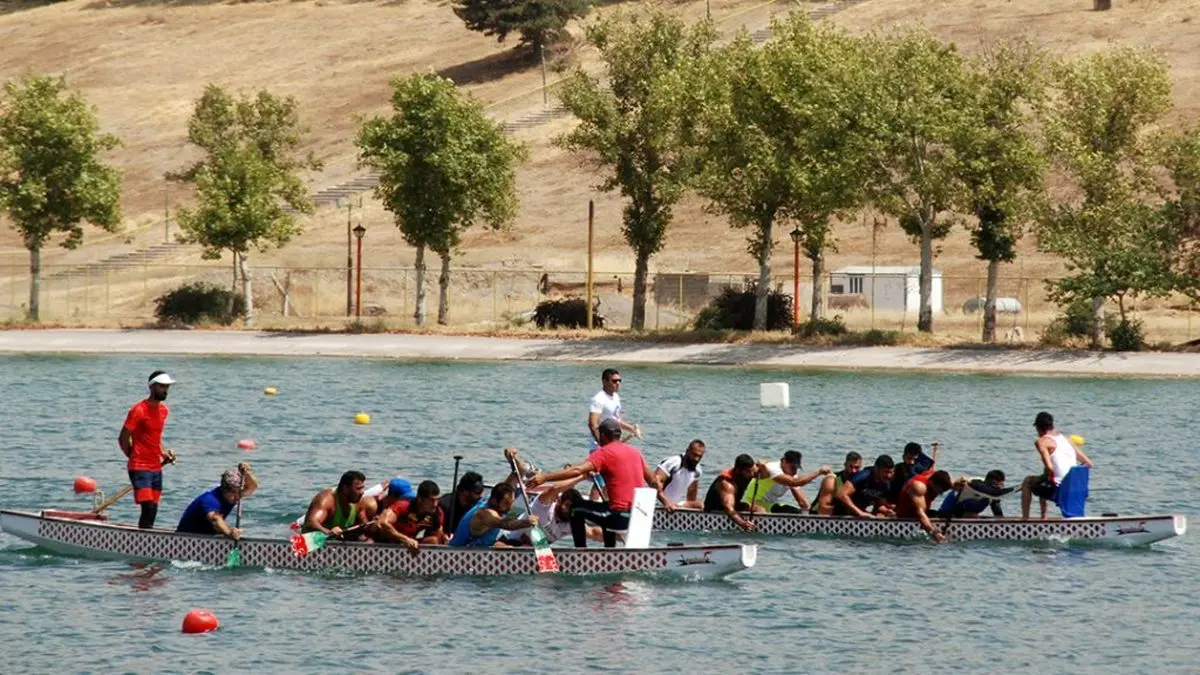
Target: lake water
809, 605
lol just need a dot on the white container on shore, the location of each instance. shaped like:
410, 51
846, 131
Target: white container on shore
774, 395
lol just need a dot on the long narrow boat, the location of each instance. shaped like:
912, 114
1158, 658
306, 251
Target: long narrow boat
64, 534
1119, 530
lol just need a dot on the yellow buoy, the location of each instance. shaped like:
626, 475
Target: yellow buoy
362, 418
270, 391
1076, 439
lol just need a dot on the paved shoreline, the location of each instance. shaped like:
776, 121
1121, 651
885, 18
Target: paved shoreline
452, 347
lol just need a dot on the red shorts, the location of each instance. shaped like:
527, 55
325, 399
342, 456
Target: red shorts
147, 486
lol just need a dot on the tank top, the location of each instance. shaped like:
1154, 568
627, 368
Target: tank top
463, 536
904, 506
343, 520
712, 498
1063, 459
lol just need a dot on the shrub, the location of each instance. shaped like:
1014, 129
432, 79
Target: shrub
199, 302
812, 328
1127, 336
566, 313
733, 309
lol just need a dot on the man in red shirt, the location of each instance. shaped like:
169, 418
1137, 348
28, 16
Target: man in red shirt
623, 469
141, 441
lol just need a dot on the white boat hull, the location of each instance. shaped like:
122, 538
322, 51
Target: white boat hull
1119, 530
90, 538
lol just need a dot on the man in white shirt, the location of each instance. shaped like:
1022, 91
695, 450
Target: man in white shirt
605, 405
680, 476
776, 479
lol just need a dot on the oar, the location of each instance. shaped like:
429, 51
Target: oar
303, 544
546, 561
454, 491
235, 555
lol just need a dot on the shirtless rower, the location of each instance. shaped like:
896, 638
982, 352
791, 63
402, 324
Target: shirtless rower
917, 496
727, 492
680, 476
776, 479
823, 504
335, 510
867, 494
1058, 457
415, 521
481, 526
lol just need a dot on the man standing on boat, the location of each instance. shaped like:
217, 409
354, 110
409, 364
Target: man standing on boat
680, 476
728, 491
606, 405
776, 479
141, 441
1058, 457
335, 510
831, 484
868, 493
916, 499
207, 513
623, 469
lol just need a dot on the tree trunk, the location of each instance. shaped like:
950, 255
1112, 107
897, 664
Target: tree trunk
444, 289
641, 271
247, 291
1097, 322
989, 305
818, 288
925, 316
35, 283
419, 263
763, 292
1101, 5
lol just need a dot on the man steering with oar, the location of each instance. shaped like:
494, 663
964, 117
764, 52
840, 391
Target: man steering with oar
141, 441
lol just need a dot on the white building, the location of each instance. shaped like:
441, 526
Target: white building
888, 288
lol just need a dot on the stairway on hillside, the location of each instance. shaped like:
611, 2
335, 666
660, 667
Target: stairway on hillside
142, 256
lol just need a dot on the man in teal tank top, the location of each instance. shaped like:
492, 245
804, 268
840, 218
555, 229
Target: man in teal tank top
335, 510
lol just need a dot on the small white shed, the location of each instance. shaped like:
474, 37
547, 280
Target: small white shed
889, 288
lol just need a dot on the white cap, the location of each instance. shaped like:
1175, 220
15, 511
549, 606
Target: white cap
159, 377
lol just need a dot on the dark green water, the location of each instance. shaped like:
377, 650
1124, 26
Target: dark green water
810, 605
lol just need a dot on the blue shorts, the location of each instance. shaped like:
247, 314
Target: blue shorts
147, 486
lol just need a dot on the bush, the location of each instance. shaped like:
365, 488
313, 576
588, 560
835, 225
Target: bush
199, 302
1127, 336
733, 309
812, 328
568, 313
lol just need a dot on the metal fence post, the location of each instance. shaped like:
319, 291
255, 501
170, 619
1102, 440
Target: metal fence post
1027, 309
495, 316
107, 295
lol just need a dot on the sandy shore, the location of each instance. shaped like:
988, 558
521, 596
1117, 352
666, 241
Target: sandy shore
444, 347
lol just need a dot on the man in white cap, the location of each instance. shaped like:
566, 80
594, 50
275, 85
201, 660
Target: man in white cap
141, 441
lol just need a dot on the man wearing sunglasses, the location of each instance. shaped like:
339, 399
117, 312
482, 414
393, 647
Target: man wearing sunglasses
606, 405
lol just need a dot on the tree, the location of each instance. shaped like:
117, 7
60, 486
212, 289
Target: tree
1099, 134
639, 127
51, 176
779, 141
1182, 210
247, 183
539, 22
920, 103
444, 166
1003, 166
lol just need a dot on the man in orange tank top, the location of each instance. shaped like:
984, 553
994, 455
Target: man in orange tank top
141, 441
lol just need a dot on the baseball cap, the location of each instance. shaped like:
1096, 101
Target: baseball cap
401, 489
611, 426
793, 457
161, 377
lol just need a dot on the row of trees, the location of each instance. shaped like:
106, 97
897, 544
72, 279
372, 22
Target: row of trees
819, 123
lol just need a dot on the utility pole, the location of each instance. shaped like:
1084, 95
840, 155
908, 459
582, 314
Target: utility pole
591, 238
545, 94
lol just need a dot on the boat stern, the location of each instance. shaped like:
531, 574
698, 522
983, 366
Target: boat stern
1180, 523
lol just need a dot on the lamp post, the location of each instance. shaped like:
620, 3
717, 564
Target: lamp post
796, 234
359, 231
349, 204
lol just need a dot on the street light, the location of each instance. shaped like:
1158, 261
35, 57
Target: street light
796, 234
359, 232
349, 204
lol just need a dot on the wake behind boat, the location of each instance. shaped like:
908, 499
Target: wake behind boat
65, 535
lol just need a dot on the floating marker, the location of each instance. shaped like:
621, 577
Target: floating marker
362, 418
247, 444
1076, 439
200, 621
270, 391
84, 485
774, 395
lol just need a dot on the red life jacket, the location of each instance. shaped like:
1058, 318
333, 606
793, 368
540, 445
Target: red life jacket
410, 525
905, 508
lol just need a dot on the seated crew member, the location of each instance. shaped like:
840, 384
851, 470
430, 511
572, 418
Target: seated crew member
971, 496
912, 462
727, 492
868, 493
207, 513
335, 510
415, 521
831, 484
482, 524
916, 499
680, 476
776, 479
466, 495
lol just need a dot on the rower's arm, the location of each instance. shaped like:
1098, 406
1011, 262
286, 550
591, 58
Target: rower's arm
219, 524
249, 482
594, 425
655, 482
1044, 452
486, 519
729, 504
844, 496
996, 510
797, 480
317, 513
579, 470
693, 491
800, 498
919, 503
387, 525
1087, 461
661, 475
125, 441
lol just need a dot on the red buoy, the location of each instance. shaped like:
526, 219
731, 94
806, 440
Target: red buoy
247, 444
84, 485
200, 621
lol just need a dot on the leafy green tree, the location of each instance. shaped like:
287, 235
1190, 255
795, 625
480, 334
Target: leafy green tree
920, 103
538, 22
639, 125
51, 176
248, 181
779, 142
1099, 132
444, 167
1003, 165
1182, 210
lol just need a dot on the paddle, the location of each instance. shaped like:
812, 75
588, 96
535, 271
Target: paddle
454, 502
303, 544
235, 556
546, 561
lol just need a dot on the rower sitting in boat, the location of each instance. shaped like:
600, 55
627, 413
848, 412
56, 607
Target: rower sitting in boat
482, 524
868, 493
776, 479
335, 510
414, 521
728, 491
971, 496
823, 504
680, 476
913, 462
552, 505
916, 499
467, 494
207, 513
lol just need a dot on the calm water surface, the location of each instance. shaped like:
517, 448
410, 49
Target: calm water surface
809, 606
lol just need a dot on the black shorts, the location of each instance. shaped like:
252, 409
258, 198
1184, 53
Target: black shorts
1046, 489
147, 486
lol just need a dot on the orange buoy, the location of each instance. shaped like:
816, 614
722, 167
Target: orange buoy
247, 444
84, 485
200, 621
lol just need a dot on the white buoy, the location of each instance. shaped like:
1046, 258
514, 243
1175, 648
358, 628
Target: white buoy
774, 395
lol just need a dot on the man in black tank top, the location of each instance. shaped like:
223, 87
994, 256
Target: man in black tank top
726, 492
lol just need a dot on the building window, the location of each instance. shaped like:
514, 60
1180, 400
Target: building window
856, 284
